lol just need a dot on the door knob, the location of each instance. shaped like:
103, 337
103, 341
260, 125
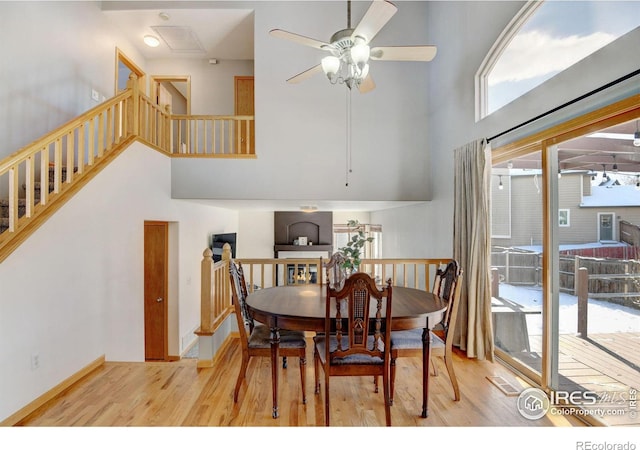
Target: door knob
159, 299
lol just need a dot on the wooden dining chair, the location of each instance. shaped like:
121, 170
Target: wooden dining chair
446, 285
357, 331
255, 338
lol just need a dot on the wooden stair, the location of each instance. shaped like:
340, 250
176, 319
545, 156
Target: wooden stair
22, 203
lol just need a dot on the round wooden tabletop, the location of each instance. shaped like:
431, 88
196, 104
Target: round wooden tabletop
303, 307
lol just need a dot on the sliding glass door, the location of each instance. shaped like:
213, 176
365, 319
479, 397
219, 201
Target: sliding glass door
565, 263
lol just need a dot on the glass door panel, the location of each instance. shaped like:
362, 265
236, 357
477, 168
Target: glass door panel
599, 304
516, 260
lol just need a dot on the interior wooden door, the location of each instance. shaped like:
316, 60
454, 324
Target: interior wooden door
244, 106
156, 235
164, 96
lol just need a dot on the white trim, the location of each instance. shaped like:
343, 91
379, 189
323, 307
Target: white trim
613, 226
505, 38
568, 223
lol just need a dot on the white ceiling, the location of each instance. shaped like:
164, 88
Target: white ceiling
223, 33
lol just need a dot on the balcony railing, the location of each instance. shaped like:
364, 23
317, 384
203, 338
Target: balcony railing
261, 273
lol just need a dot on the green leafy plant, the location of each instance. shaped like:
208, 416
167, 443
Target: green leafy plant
353, 250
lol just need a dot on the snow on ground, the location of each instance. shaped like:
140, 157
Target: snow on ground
603, 317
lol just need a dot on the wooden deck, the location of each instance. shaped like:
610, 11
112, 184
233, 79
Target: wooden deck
608, 364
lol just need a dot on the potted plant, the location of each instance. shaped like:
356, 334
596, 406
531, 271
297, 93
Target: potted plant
353, 250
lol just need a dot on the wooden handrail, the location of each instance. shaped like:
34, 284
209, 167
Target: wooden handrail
54, 167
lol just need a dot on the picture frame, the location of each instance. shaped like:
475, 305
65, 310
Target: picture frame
302, 240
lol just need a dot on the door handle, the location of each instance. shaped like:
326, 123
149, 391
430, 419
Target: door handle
159, 299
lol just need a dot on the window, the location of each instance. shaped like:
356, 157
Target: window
342, 234
544, 39
564, 218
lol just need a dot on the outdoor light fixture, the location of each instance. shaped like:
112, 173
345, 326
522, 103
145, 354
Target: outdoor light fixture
500, 185
615, 165
636, 136
151, 41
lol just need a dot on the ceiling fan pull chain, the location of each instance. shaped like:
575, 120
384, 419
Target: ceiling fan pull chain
348, 146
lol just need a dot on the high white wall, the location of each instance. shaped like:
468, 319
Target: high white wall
301, 131
74, 290
54, 54
464, 32
212, 88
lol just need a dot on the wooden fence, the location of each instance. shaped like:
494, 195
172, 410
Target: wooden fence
611, 279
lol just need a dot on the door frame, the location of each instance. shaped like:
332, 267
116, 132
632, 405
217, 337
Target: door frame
613, 226
173, 79
133, 67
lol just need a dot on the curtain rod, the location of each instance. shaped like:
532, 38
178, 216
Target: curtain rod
570, 102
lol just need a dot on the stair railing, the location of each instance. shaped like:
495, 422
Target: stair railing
37, 179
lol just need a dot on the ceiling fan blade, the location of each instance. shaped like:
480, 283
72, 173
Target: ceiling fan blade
298, 38
306, 74
367, 85
407, 53
378, 14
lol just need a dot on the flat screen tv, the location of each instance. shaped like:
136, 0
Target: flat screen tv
218, 240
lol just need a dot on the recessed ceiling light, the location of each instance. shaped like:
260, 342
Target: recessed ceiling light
151, 41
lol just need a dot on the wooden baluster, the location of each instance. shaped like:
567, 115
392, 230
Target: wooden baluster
81, 149
91, 150
70, 156
13, 198
29, 186
57, 166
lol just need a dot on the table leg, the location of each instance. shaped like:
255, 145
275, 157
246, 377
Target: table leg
426, 359
275, 345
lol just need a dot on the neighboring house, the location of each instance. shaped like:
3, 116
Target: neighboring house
72, 293
589, 208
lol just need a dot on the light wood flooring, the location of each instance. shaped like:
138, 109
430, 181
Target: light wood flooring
178, 394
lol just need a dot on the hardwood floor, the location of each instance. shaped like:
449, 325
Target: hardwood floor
178, 394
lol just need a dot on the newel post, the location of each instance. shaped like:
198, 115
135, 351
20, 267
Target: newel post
206, 291
134, 112
495, 282
582, 291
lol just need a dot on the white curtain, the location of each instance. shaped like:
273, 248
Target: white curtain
472, 247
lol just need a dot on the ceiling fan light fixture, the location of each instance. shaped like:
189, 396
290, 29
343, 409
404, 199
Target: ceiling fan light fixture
330, 66
151, 40
360, 55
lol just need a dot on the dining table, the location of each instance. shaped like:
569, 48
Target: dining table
303, 307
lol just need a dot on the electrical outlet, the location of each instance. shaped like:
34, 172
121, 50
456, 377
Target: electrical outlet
35, 361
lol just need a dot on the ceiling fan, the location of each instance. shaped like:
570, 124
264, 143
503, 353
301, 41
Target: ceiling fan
350, 52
